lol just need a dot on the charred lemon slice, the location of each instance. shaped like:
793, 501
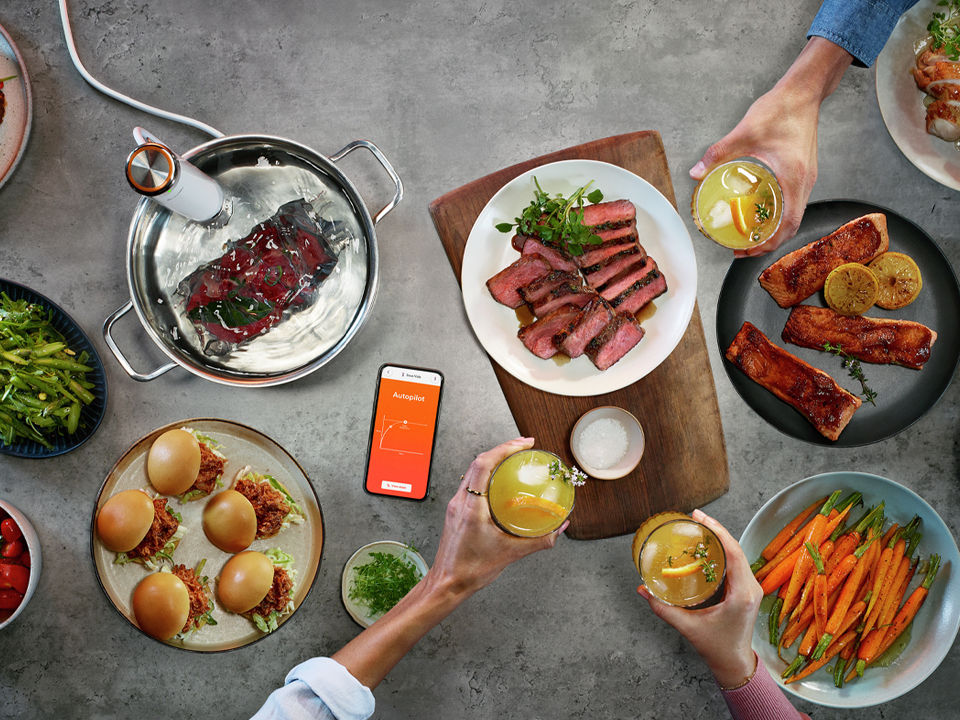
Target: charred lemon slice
851, 289
682, 570
898, 278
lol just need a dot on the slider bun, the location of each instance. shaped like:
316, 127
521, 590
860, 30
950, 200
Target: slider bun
244, 581
124, 520
229, 521
161, 605
173, 462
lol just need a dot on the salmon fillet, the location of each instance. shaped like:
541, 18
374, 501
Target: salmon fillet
798, 275
812, 392
875, 340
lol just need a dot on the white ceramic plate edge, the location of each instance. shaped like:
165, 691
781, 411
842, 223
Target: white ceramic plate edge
901, 101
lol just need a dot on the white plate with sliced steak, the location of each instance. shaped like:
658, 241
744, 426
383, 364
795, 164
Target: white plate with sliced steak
600, 321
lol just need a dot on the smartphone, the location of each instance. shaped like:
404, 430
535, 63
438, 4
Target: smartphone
403, 431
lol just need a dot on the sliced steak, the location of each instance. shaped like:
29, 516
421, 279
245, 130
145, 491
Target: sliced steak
504, 285
598, 274
617, 284
587, 325
538, 336
567, 294
598, 253
640, 292
558, 259
616, 234
538, 289
606, 215
618, 338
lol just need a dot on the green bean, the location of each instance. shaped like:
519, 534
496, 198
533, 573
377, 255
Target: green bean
43, 386
82, 392
73, 418
61, 364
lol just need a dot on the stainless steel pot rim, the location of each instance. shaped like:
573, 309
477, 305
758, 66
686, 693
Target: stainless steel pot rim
322, 164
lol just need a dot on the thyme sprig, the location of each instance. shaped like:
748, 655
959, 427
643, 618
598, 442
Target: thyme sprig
557, 220
572, 475
944, 30
852, 366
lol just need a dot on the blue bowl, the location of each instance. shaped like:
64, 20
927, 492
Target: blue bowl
90, 415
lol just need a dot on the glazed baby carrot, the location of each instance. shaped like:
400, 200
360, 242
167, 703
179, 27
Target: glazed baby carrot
784, 569
834, 649
845, 599
781, 538
883, 578
826, 550
849, 622
789, 550
877, 642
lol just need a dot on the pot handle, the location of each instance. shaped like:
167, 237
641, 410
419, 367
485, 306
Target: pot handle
115, 349
386, 166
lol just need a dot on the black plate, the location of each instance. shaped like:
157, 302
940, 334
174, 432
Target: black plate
90, 415
903, 395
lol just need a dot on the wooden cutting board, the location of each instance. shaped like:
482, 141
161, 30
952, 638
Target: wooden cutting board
684, 465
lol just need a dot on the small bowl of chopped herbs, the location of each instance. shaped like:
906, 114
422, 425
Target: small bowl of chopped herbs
377, 576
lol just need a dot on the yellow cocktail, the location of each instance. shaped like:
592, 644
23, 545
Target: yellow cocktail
530, 493
738, 204
682, 563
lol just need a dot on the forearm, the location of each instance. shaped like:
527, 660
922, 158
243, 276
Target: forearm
817, 71
375, 651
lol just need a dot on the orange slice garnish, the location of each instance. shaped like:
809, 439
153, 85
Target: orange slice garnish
532, 501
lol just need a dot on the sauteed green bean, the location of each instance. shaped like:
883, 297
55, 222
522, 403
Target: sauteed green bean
43, 383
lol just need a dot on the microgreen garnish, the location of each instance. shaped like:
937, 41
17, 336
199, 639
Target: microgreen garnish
383, 582
557, 220
944, 30
572, 475
856, 372
709, 571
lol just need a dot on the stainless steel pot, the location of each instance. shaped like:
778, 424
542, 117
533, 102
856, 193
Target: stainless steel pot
258, 173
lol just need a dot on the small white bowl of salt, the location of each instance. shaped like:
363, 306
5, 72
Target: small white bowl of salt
607, 442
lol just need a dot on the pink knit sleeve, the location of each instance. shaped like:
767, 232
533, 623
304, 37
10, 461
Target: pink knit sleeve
761, 699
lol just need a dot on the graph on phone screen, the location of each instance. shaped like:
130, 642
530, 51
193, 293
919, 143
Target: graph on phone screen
401, 440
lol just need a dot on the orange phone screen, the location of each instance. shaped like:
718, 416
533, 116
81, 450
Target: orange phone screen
401, 437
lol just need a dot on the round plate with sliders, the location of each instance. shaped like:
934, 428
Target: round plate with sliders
242, 446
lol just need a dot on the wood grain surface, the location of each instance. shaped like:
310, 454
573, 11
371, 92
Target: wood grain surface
685, 462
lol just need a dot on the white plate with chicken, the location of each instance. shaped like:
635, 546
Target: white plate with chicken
634, 334
924, 125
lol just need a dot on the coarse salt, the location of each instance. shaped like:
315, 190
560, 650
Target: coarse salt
603, 443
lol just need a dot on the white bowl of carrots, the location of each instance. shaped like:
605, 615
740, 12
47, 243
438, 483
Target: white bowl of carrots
867, 603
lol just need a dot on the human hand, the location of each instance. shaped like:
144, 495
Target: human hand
722, 633
473, 551
779, 129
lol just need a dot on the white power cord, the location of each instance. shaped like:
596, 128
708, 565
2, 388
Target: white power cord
97, 85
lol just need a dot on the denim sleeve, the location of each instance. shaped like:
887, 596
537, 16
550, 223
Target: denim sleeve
861, 27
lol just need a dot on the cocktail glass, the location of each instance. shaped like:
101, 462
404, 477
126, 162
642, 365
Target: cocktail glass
526, 498
738, 204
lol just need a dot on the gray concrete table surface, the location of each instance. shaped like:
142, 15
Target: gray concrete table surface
450, 91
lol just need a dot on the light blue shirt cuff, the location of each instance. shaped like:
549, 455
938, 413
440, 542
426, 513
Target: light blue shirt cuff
318, 688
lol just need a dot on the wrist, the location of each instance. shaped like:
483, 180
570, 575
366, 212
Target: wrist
817, 71
735, 670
